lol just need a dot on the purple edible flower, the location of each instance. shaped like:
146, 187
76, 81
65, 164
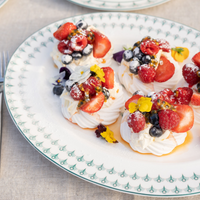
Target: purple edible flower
67, 72
118, 56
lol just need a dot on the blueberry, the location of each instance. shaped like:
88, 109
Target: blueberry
66, 59
106, 93
139, 92
133, 67
87, 50
67, 72
58, 89
81, 24
137, 53
68, 85
77, 55
155, 131
154, 119
128, 55
146, 59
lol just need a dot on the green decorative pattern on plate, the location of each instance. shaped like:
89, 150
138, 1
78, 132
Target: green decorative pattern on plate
36, 113
115, 5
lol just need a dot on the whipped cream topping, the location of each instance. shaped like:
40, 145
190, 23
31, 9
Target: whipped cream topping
133, 83
90, 59
144, 143
108, 114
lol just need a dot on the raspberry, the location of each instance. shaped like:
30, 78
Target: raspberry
168, 96
90, 84
146, 73
136, 121
149, 47
183, 95
164, 45
76, 93
168, 119
64, 47
189, 72
78, 42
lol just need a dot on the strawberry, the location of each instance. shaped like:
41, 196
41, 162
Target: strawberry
149, 47
64, 47
165, 70
195, 100
78, 42
101, 45
94, 104
164, 45
64, 31
168, 119
196, 59
168, 96
109, 77
136, 121
183, 95
146, 73
133, 99
76, 93
186, 115
90, 84
189, 72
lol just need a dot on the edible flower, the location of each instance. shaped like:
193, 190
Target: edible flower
81, 74
180, 53
58, 79
144, 104
108, 135
98, 71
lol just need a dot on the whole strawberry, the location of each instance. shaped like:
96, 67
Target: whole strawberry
189, 72
168, 119
136, 121
183, 95
146, 73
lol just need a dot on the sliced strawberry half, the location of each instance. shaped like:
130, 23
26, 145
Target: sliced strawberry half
64, 31
133, 99
165, 70
195, 100
186, 115
101, 45
94, 104
196, 59
109, 78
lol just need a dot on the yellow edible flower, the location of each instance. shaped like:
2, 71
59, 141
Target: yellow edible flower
144, 104
132, 107
108, 135
99, 72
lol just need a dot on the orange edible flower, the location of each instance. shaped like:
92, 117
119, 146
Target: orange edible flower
180, 53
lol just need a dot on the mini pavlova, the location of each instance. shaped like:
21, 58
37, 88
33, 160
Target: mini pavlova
157, 123
89, 95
